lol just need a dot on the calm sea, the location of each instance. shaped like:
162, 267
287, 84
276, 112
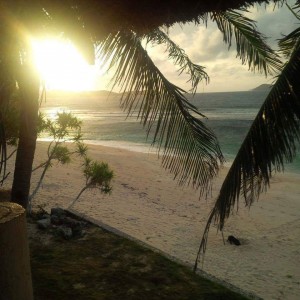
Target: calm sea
229, 114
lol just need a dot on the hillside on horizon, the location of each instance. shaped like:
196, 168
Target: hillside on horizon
106, 93
263, 87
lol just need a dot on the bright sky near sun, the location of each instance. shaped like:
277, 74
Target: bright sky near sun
63, 68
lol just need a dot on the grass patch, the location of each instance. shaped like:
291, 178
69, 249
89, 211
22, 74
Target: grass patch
103, 265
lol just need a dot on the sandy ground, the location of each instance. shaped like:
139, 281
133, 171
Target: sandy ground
146, 203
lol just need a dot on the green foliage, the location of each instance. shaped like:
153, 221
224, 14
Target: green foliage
61, 154
98, 175
64, 128
81, 149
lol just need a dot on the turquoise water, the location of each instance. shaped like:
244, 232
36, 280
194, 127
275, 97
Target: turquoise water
230, 115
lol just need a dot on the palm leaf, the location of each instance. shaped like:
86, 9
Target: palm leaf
251, 45
190, 150
295, 9
288, 43
271, 142
196, 72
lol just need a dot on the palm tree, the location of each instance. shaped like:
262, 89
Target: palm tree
190, 150
16, 65
272, 140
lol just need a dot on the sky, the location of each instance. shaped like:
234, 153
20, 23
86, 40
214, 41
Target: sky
205, 46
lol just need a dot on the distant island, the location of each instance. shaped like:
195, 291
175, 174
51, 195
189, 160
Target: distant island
263, 87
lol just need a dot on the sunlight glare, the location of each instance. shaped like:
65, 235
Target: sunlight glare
62, 67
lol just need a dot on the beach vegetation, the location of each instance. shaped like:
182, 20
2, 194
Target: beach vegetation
65, 131
98, 176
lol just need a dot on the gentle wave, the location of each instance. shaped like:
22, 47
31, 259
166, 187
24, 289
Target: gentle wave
229, 115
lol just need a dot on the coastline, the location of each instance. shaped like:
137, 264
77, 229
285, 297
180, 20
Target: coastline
147, 204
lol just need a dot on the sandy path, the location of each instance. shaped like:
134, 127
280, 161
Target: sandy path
147, 204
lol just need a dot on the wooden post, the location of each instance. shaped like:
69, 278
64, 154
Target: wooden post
15, 273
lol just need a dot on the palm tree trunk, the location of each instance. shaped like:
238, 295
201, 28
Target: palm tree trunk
30, 198
28, 82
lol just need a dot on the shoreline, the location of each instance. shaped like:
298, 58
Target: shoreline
146, 148
147, 203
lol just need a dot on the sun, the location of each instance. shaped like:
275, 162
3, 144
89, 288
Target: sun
62, 67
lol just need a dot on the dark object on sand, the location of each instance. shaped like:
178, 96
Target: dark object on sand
232, 240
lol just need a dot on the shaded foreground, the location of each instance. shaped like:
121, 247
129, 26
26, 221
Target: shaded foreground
102, 265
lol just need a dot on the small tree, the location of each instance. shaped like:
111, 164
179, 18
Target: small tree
65, 128
98, 176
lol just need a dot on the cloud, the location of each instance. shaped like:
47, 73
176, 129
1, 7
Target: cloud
205, 46
274, 21
201, 43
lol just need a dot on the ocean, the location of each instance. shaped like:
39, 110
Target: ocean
229, 115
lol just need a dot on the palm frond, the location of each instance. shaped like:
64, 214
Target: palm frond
190, 150
288, 43
197, 73
271, 142
251, 46
295, 9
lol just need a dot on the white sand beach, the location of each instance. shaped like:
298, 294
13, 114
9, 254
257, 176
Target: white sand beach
147, 204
